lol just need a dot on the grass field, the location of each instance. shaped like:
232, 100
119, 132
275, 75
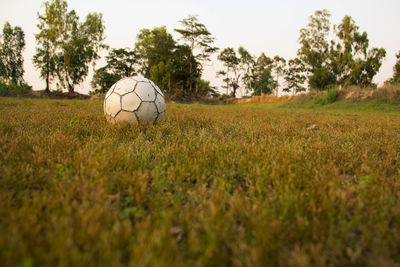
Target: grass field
241, 185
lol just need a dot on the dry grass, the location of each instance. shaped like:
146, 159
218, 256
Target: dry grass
242, 185
263, 98
387, 93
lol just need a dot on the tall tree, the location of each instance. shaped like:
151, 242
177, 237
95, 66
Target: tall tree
247, 63
343, 61
262, 81
314, 50
232, 74
353, 63
278, 66
396, 72
12, 43
154, 46
155, 49
167, 63
200, 41
74, 44
44, 58
295, 76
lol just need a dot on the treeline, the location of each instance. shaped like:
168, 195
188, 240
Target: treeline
329, 56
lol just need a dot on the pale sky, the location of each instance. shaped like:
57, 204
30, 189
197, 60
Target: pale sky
259, 26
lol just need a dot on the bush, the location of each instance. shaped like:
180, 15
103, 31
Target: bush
3, 88
320, 100
12, 88
332, 95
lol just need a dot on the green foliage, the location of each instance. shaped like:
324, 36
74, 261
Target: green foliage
320, 100
331, 95
261, 80
199, 41
314, 50
343, 61
197, 37
161, 74
122, 62
327, 97
102, 80
242, 70
278, 66
12, 88
233, 71
204, 88
170, 65
209, 185
12, 43
44, 58
396, 72
3, 88
264, 83
154, 46
66, 45
295, 77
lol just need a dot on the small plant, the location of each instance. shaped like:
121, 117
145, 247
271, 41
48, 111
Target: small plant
320, 100
331, 95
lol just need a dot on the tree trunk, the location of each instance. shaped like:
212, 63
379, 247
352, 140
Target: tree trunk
47, 82
277, 84
70, 89
190, 67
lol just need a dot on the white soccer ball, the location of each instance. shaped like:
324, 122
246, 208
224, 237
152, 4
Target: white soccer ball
135, 100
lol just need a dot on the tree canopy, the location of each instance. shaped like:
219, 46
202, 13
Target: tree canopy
329, 55
396, 72
342, 61
12, 43
67, 43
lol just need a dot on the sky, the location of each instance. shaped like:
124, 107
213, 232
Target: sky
268, 26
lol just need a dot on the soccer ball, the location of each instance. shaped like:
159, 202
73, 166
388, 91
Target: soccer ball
135, 100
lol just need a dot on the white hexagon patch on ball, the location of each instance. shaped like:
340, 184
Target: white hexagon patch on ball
135, 100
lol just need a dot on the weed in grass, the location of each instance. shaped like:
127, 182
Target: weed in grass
331, 95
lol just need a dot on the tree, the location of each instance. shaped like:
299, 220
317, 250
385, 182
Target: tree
102, 80
12, 44
122, 62
155, 49
168, 64
261, 80
44, 58
343, 61
232, 73
247, 64
154, 46
264, 83
295, 76
200, 41
278, 67
45, 62
314, 50
353, 63
396, 72
74, 44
